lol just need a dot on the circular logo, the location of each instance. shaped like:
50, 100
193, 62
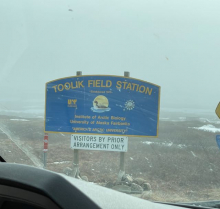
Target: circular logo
100, 104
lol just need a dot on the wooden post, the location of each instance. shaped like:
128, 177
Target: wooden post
122, 154
45, 150
76, 172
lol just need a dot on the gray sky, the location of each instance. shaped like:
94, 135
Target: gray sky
174, 44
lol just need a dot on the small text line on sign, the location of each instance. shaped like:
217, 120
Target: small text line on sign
97, 142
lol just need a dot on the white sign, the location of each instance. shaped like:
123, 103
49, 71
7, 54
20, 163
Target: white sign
99, 142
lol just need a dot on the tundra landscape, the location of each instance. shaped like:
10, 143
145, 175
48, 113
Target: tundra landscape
181, 165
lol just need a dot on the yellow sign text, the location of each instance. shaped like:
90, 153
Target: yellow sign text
68, 86
133, 87
99, 83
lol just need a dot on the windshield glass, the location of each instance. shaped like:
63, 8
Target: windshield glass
171, 46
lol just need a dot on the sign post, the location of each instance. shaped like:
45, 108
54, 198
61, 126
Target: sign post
76, 172
45, 149
122, 154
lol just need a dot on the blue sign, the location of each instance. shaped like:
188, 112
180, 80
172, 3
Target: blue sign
218, 140
111, 105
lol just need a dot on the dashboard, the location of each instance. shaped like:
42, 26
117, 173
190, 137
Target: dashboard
26, 187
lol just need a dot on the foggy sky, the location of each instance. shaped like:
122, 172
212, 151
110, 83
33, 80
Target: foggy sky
174, 44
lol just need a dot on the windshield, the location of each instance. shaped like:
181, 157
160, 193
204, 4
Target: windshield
167, 51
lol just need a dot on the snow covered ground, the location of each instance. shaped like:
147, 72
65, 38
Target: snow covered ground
208, 127
28, 113
20, 120
165, 144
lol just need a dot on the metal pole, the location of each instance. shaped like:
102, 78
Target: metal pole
78, 73
126, 74
122, 154
45, 150
45, 159
76, 172
44, 162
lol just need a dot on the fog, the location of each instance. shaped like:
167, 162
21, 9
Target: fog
174, 44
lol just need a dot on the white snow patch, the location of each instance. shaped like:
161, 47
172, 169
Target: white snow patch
19, 119
181, 146
209, 128
182, 118
193, 154
57, 163
131, 158
167, 144
147, 142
